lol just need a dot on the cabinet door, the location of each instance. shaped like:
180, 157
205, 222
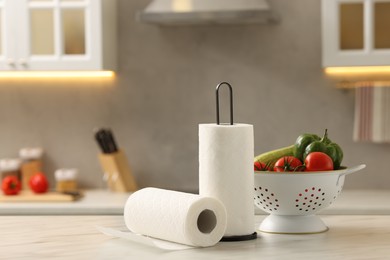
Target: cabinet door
60, 35
8, 44
356, 32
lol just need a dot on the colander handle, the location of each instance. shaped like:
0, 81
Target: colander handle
351, 170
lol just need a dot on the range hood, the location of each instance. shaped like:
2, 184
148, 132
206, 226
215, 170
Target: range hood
185, 12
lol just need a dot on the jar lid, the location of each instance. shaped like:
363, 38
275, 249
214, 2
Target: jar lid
12, 164
31, 153
66, 174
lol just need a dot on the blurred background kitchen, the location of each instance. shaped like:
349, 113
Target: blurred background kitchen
164, 85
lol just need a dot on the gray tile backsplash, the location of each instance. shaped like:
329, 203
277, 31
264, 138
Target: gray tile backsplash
165, 87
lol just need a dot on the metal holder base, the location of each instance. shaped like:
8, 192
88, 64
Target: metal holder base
239, 238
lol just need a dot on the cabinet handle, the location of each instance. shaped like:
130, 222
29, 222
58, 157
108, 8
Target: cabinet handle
23, 63
11, 62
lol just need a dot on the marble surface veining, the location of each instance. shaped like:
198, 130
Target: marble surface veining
76, 237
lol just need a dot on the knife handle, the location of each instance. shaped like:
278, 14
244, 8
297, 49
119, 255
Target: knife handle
99, 137
110, 141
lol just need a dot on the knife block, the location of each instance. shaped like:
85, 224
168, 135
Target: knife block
117, 172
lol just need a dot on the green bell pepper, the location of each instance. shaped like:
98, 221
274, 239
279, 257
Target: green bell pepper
302, 142
308, 143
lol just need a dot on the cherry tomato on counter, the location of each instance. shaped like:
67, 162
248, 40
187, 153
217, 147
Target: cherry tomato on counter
11, 185
38, 183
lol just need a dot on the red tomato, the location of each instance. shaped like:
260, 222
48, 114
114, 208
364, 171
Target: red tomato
38, 183
318, 161
288, 164
259, 166
11, 185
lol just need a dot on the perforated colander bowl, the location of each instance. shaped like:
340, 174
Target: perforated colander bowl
293, 199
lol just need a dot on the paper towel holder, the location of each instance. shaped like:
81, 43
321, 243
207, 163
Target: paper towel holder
231, 100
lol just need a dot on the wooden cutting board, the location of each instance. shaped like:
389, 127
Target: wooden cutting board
29, 196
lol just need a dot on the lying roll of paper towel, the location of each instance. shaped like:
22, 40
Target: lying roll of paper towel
226, 172
176, 216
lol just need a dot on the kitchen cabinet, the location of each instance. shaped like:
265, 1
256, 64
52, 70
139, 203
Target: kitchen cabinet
355, 32
40, 35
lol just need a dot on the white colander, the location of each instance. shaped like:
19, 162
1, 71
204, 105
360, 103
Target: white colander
292, 199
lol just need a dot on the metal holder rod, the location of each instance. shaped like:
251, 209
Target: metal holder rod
231, 101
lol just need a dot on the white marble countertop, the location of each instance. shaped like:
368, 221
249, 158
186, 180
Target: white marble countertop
104, 202
76, 237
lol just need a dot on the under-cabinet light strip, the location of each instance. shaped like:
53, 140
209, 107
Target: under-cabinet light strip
56, 74
357, 70
359, 84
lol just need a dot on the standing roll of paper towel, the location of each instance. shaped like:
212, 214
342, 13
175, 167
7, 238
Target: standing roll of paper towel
226, 172
176, 216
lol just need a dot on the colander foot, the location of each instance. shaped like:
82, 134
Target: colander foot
293, 224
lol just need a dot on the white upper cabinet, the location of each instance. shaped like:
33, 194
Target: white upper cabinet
355, 33
57, 35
